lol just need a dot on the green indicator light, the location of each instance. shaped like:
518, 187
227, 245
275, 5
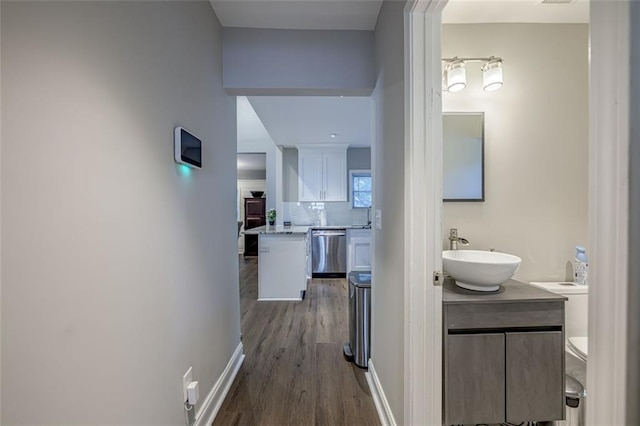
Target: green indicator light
184, 170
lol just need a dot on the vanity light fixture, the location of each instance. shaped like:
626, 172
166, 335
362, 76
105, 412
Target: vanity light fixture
492, 75
454, 73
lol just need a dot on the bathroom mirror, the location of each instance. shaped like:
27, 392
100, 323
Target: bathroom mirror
463, 145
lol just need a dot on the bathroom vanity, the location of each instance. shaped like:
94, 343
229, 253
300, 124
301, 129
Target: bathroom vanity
503, 357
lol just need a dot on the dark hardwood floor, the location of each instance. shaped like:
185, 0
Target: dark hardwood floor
294, 372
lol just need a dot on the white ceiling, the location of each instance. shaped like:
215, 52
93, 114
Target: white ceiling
363, 14
299, 14
252, 162
303, 120
514, 11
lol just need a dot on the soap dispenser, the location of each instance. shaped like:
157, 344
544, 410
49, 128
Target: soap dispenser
581, 266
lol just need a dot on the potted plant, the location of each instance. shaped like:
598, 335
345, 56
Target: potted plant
271, 216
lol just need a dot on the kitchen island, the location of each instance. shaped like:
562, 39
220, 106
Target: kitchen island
284, 258
282, 262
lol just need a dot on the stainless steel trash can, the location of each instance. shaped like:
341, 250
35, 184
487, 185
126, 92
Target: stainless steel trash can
575, 399
357, 349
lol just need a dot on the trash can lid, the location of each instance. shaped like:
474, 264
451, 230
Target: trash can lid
360, 279
573, 388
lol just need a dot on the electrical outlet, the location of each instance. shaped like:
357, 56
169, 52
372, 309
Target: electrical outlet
193, 393
186, 379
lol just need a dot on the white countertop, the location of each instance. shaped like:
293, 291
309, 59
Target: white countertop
297, 229
340, 227
277, 229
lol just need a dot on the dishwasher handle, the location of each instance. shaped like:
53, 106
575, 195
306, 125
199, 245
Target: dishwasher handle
329, 234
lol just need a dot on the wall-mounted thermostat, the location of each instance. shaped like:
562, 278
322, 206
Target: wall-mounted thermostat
188, 148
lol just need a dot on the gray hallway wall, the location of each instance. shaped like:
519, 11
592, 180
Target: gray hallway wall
119, 268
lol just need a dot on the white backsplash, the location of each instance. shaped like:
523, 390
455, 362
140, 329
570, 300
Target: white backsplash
338, 213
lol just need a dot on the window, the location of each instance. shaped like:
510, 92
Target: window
360, 188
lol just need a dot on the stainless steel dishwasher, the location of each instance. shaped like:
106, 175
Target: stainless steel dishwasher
329, 253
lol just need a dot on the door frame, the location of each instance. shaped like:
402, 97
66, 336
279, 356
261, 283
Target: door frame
610, 186
633, 332
423, 213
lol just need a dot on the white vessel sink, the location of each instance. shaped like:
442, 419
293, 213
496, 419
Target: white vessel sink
479, 270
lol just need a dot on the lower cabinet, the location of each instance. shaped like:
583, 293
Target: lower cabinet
494, 375
359, 250
475, 379
535, 376
281, 267
309, 263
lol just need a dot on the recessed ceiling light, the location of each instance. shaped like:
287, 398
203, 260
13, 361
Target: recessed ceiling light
333, 135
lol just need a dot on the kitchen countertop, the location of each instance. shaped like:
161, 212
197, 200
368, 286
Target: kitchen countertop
320, 227
510, 291
277, 229
297, 229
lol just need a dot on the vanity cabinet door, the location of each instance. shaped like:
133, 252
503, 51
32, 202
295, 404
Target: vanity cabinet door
535, 376
474, 378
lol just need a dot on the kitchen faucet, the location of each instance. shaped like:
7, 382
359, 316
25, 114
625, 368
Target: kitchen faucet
454, 239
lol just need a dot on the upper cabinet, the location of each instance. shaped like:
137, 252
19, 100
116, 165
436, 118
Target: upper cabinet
322, 174
335, 175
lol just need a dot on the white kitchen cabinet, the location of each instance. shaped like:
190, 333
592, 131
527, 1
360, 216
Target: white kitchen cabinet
310, 173
322, 174
281, 266
359, 252
335, 176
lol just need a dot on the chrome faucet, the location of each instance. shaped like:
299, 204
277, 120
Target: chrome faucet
454, 239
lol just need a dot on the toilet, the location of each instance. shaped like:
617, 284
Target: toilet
576, 342
578, 346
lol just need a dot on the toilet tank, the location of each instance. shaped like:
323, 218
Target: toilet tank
576, 307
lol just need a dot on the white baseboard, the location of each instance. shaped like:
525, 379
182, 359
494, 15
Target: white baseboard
280, 299
213, 402
379, 398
